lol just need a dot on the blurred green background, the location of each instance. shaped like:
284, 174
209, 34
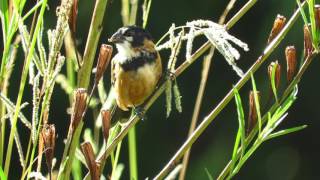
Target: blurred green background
294, 156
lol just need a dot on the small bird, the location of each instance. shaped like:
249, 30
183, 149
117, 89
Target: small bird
136, 68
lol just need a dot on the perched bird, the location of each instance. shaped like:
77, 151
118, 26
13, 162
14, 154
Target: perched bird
136, 68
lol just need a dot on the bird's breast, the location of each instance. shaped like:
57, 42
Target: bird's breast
136, 80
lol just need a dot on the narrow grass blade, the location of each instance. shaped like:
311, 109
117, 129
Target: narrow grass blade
118, 172
256, 101
286, 131
4, 15
303, 14
273, 81
241, 130
2, 175
315, 36
32, 10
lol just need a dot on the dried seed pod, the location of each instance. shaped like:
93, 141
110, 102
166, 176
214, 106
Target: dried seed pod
317, 15
308, 48
106, 122
278, 25
48, 134
103, 61
73, 16
291, 60
277, 75
252, 118
79, 106
88, 154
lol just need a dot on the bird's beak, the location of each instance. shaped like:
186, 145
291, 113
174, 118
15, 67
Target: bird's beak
116, 38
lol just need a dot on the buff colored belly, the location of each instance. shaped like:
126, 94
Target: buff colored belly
134, 87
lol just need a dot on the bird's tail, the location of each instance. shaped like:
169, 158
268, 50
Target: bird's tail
117, 114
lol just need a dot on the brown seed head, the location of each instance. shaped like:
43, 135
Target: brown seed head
317, 15
291, 62
88, 154
48, 134
73, 16
277, 75
103, 61
252, 118
278, 24
106, 117
308, 48
79, 106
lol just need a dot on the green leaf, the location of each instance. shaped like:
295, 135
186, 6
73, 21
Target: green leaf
2, 175
256, 101
284, 107
273, 80
286, 131
315, 36
32, 10
76, 170
241, 129
4, 15
235, 150
118, 172
303, 14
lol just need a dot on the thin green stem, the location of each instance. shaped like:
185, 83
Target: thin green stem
116, 159
70, 76
246, 157
92, 43
27, 154
22, 85
133, 12
133, 154
73, 146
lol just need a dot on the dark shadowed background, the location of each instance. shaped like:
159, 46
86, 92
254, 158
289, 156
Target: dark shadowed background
294, 156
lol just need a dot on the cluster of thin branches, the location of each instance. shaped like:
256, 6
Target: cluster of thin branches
43, 68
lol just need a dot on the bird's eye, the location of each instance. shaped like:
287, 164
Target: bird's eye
129, 33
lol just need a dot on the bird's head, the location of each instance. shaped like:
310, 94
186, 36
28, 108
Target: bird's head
130, 38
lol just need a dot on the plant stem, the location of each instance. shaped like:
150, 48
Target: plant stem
21, 88
92, 43
203, 82
116, 159
133, 12
196, 111
133, 153
204, 124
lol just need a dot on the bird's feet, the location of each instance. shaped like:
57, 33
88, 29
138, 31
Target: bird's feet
140, 112
170, 75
